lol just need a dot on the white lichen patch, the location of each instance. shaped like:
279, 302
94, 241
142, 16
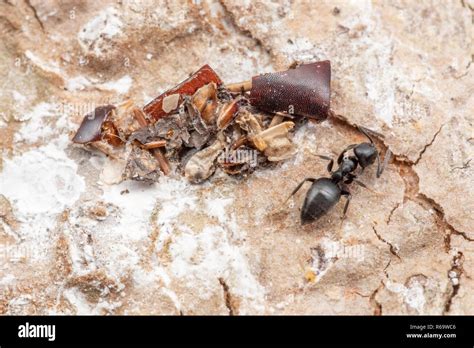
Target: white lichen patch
135, 208
44, 122
40, 184
413, 295
43, 180
209, 255
77, 83
96, 34
36, 126
120, 86
198, 257
47, 66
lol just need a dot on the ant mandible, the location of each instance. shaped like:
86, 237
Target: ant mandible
325, 192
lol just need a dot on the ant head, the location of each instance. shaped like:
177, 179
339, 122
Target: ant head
366, 153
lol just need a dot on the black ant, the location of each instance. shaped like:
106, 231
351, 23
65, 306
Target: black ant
326, 192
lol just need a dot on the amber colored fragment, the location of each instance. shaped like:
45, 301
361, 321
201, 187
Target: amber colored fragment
303, 91
227, 113
239, 142
205, 100
110, 133
140, 117
202, 77
162, 161
154, 144
122, 119
238, 87
91, 128
249, 123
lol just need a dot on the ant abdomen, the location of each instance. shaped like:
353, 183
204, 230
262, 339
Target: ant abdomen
321, 197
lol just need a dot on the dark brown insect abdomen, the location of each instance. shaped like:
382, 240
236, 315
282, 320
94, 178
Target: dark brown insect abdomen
303, 91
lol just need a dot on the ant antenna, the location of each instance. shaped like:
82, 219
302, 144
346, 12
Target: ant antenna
365, 131
388, 156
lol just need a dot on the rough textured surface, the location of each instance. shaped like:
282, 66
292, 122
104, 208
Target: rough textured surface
70, 243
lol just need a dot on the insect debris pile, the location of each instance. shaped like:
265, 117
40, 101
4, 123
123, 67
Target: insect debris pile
201, 124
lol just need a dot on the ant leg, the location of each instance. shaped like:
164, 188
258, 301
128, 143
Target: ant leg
350, 147
353, 178
350, 178
327, 158
330, 164
380, 168
297, 188
360, 183
378, 163
348, 195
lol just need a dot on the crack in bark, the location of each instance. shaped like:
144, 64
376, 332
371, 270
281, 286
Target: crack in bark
228, 298
468, 6
420, 155
361, 295
458, 270
386, 267
35, 14
389, 219
412, 192
465, 165
398, 160
465, 73
440, 215
377, 305
393, 250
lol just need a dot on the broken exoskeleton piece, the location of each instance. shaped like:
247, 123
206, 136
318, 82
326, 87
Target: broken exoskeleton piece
155, 109
304, 90
205, 101
202, 164
227, 113
275, 143
96, 126
141, 166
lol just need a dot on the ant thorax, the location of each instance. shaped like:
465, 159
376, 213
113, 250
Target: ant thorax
347, 165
